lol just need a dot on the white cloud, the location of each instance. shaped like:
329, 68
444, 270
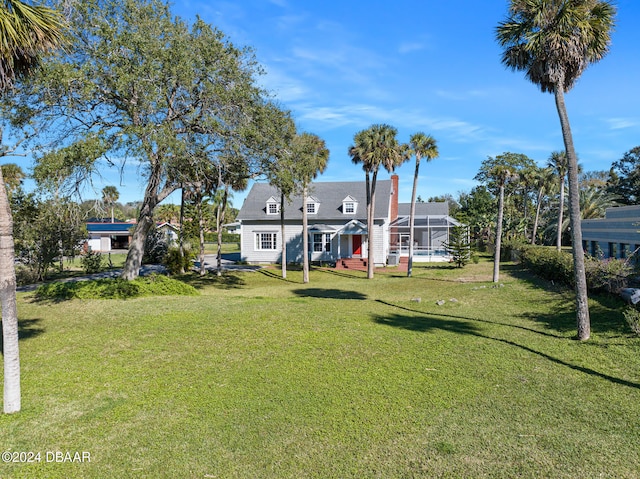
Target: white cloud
410, 47
621, 123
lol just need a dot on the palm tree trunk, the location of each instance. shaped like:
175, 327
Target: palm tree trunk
496, 254
582, 300
11, 353
370, 226
305, 238
537, 219
560, 215
412, 216
283, 239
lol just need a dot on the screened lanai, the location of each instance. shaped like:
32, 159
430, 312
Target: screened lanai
431, 232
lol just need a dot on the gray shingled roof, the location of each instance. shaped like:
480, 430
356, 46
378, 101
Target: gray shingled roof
330, 196
424, 209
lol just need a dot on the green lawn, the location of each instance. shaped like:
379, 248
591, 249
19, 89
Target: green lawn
258, 377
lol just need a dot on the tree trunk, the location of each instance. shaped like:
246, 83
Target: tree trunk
283, 239
496, 254
131, 268
153, 195
370, 227
582, 300
412, 216
181, 237
560, 215
305, 238
203, 269
537, 219
222, 209
11, 353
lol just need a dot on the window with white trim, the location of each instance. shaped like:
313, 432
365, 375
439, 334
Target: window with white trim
266, 241
321, 242
273, 208
311, 208
349, 206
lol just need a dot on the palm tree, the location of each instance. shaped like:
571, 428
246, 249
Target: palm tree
421, 146
558, 162
374, 147
110, 195
501, 175
594, 202
26, 33
311, 156
13, 176
541, 181
554, 41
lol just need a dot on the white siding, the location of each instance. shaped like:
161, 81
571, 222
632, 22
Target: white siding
293, 234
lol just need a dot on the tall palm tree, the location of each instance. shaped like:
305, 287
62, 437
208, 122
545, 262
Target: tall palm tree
501, 175
311, 156
422, 146
558, 161
110, 195
26, 33
553, 42
542, 180
375, 147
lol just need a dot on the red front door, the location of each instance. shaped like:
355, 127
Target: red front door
356, 243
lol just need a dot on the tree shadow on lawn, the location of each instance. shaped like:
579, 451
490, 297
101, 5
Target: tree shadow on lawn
329, 293
605, 309
27, 329
225, 281
426, 322
278, 275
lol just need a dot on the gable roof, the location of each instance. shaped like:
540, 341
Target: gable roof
330, 195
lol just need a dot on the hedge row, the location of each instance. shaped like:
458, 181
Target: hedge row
603, 275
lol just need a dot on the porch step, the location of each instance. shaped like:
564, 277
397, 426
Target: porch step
358, 264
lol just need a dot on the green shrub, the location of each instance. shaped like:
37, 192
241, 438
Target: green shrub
632, 316
116, 288
177, 263
608, 275
26, 275
155, 247
91, 262
548, 263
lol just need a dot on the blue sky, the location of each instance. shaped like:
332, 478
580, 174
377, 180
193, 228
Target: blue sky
429, 66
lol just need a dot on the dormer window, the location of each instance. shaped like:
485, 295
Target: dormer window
349, 206
273, 206
312, 206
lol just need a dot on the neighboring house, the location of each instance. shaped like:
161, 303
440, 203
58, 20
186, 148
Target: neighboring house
232, 228
617, 235
171, 232
106, 236
337, 222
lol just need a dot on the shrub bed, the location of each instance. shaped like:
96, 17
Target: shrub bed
607, 275
117, 288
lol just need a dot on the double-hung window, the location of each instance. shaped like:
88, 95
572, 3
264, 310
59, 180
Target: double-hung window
266, 241
321, 242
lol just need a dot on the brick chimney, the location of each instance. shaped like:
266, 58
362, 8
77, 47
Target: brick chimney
393, 207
